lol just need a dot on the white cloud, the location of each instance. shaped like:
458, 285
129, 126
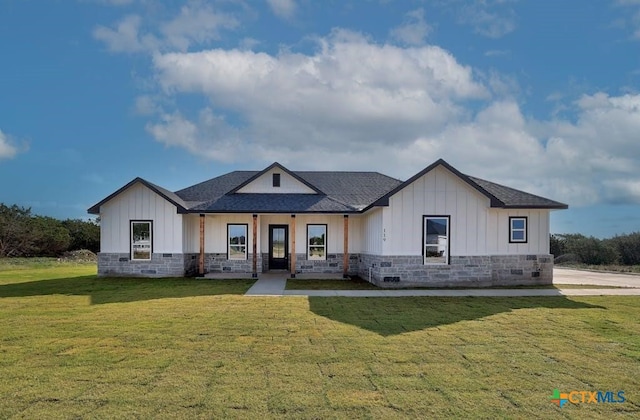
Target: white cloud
490, 18
125, 37
209, 136
284, 9
354, 104
631, 18
414, 29
7, 149
350, 94
197, 23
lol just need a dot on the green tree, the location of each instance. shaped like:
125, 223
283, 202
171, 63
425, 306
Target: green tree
628, 247
49, 237
557, 245
15, 235
85, 234
590, 250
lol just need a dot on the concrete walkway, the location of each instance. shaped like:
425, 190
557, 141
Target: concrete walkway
273, 284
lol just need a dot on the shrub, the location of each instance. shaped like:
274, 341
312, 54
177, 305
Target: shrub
628, 248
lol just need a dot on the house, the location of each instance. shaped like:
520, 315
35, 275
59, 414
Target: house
438, 228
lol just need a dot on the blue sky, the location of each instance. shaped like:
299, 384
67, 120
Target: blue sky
539, 95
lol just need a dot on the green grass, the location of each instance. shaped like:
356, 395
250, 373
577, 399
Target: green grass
330, 284
74, 346
39, 262
359, 284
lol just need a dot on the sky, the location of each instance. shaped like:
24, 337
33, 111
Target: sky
542, 96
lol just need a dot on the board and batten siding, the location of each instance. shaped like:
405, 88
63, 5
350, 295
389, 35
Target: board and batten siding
475, 228
537, 232
372, 234
264, 184
335, 232
140, 203
215, 232
191, 233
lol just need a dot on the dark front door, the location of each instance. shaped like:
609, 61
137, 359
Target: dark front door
278, 247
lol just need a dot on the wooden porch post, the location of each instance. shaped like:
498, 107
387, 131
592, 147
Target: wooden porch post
345, 255
201, 257
293, 246
255, 246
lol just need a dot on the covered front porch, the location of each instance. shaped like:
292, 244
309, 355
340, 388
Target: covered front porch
245, 245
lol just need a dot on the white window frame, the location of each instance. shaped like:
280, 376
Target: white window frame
140, 244
525, 231
438, 247
246, 241
309, 245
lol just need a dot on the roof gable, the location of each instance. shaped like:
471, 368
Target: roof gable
322, 191
166, 194
290, 183
499, 196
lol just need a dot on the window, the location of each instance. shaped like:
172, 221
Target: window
276, 180
436, 239
141, 240
317, 242
517, 229
237, 242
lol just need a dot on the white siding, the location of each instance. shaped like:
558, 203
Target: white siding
191, 233
264, 184
475, 228
215, 232
537, 232
372, 234
140, 203
335, 231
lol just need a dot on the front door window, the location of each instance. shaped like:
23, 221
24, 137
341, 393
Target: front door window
278, 247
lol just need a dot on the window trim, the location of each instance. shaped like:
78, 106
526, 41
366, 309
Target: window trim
326, 234
525, 230
131, 222
424, 232
276, 180
246, 245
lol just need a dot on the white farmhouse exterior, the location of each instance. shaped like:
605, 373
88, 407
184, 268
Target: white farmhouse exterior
439, 228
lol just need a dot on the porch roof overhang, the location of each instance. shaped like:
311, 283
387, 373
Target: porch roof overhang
273, 203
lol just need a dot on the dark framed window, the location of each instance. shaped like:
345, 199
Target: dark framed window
316, 242
435, 239
237, 241
276, 180
141, 239
518, 229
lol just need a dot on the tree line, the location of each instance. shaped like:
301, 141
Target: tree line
23, 234
577, 248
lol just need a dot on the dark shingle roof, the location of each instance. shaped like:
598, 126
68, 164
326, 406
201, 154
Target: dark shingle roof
338, 192
213, 189
356, 189
274, 203
512, 198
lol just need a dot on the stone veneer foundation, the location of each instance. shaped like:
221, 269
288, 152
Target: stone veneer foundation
160, 265
383, 271
468, 271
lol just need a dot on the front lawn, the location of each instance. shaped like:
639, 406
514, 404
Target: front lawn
330, 284
75, 346
359, 284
